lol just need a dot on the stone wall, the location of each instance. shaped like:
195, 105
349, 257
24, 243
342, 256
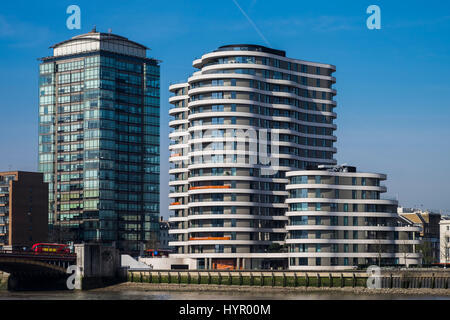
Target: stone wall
99, 265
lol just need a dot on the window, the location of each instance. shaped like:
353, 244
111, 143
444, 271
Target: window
303, 220
318, 179
299, 180
318, 195
217, 108
298, 206
345, 221
333, 221
299, 234
217, 120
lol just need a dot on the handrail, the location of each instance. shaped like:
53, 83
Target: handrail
37, 254
210, 187
208, 238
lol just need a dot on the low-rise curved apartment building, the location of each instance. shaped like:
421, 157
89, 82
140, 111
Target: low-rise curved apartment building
338, 219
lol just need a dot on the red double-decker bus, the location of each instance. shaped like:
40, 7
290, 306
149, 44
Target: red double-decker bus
50, 248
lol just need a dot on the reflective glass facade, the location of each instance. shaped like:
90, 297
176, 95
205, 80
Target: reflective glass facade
99, 145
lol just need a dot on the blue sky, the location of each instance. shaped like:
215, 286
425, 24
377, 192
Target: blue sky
393, 84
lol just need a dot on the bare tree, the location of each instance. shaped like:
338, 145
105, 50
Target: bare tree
427, 252
404, 249
379, 249
444, 252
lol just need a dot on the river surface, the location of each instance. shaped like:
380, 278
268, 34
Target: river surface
170, 295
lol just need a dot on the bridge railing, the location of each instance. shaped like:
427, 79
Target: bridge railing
19, 253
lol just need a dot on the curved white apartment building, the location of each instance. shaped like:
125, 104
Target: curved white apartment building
245, 118
337, 220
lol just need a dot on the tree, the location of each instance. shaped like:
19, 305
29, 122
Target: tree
404, 249
276, 247
444, 250
426, 250
379, 250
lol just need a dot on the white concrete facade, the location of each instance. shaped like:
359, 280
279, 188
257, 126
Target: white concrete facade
445, 240
95, 41
338, 220
228, 212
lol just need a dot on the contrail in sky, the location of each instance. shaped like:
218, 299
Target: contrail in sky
252, 23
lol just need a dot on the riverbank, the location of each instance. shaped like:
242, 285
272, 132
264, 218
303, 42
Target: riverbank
189, 288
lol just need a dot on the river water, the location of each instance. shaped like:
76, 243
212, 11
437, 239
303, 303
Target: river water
170, 295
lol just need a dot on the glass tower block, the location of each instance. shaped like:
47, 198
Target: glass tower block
99, 141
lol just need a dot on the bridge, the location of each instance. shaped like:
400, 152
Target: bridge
99, 265
35, 270
17, 262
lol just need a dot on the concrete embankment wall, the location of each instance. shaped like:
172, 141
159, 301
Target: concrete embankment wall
387, 279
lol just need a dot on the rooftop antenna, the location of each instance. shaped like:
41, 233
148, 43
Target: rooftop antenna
109, 30
94, 29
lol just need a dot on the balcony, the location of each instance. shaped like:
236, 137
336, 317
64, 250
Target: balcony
210, 187
208, 238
